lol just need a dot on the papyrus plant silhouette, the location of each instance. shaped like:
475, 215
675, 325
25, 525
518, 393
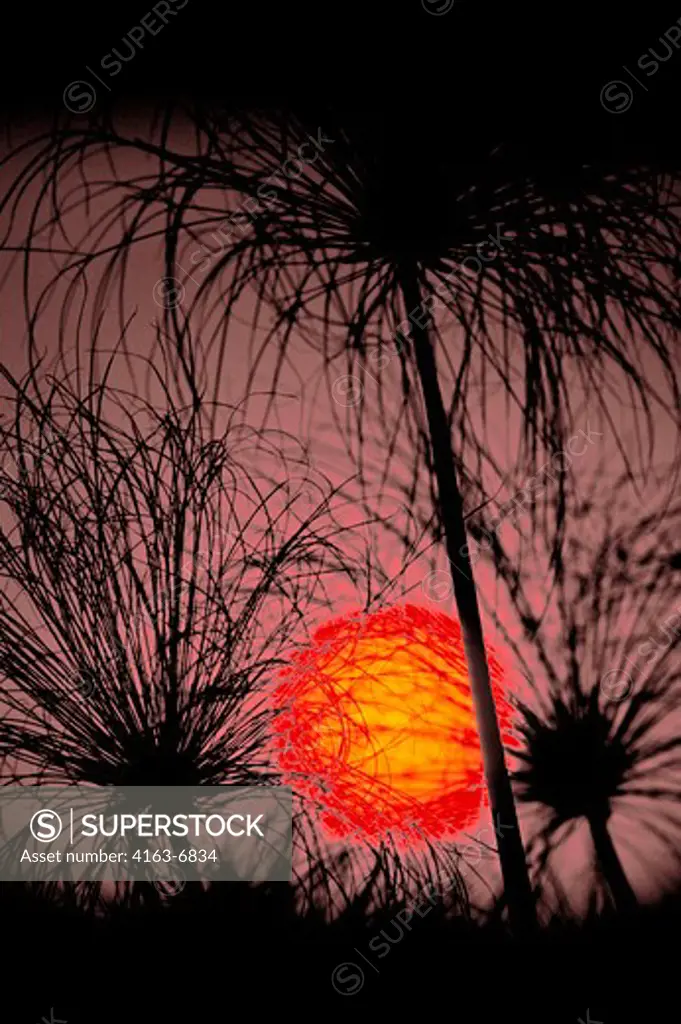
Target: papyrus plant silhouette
154, 568
472, 271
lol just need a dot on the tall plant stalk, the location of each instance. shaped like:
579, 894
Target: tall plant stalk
511, 854
610, 866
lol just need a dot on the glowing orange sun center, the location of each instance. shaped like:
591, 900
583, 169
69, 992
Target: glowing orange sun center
377, 724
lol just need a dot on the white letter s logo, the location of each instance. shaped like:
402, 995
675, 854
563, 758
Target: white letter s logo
45, 826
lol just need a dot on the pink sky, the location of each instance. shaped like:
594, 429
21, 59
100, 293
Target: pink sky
304, 409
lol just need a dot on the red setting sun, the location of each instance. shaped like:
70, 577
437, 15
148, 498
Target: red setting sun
377, 725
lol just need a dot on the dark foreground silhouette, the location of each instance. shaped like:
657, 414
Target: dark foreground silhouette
243, 951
